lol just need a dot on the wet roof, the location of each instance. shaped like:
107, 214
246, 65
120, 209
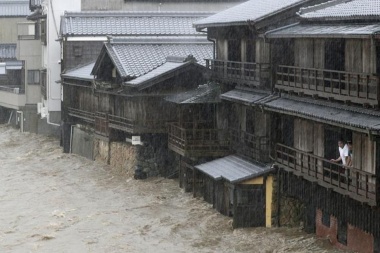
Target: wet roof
12, 8
325, 31
83, 73
173, 66
8, 51
206, 93
135, 57
326, 112
233, 169
253, 10
243, 96
342, 10
92, 23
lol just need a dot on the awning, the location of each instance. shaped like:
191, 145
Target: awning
243, 96
82, 73
325, 31
14, 65
327, 113
207, 93
233, 169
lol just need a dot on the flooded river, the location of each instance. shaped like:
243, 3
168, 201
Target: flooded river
55, 202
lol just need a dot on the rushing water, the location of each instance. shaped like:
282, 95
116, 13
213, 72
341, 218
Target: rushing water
53, 202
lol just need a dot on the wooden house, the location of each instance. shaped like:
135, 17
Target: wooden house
84, 33
327, 81
241, 65
238, 188
130, 80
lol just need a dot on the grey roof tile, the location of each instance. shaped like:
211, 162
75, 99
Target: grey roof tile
326, 111
130, 23
83, 73
343, 10
233, 169
18, 8
325, 31
244, 96
8, 51
164, 68
137, 57
253, 10
206, 93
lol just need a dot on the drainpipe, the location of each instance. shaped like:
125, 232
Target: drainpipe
71, 138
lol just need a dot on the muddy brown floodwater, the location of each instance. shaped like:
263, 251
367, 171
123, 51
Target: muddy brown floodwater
53, 202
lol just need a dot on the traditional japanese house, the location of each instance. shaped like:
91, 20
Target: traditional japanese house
132, 76
241, 64
84, 33
327, 80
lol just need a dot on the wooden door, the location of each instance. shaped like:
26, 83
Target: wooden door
249, 206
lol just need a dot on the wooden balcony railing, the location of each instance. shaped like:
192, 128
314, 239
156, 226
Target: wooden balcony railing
349, 181
243, 73
197, 142
250, 145
101, 123
81, 114
360, 88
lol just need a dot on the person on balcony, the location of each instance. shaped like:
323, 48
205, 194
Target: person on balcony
343, 153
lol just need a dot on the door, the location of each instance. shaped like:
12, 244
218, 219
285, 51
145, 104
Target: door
249, 208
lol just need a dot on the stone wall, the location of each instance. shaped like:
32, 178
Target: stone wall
357, 240
152, 157
292, 212
123, 158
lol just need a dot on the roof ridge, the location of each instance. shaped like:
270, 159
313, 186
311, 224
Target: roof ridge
92, 14
317, 7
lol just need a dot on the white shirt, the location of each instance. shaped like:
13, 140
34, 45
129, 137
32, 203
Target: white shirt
343, 153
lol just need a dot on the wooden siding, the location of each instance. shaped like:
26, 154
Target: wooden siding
77, 53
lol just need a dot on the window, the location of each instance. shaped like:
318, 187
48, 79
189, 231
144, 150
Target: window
77, 51
342, 232
234, 50
33, 77
43, 32
325, 218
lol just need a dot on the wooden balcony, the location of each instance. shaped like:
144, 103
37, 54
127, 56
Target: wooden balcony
249, 145
245, 74
187, 140
348, 181
359, 88
87, 116
103, 122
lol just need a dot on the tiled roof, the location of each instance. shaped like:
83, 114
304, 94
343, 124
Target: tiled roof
326, 112
325, 31
244, 96
10, 8
253, 10
343, 9
130, 23
206, 93
134, 57
233, 169
7, 51
83, 73
172, 65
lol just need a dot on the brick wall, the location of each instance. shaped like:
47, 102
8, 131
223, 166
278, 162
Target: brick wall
357, 240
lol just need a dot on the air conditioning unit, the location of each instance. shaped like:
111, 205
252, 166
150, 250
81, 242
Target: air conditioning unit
39, 108
44, 112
